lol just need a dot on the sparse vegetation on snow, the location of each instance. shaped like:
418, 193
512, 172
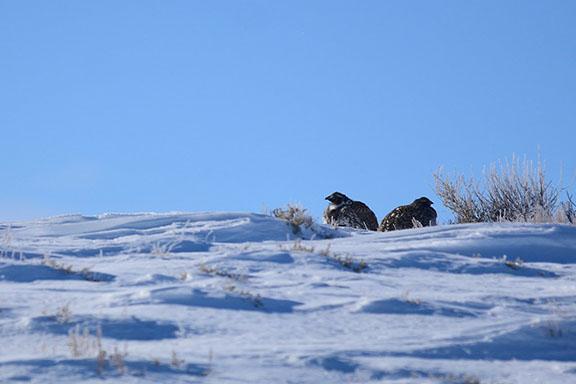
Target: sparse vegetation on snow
240, 298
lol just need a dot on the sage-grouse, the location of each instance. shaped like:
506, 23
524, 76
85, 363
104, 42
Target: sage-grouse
345, 212
410, 216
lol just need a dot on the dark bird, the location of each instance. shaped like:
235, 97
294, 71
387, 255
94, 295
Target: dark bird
345, 212
419, 213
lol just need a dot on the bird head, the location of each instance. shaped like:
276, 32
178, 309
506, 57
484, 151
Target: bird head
337, 198
422, 201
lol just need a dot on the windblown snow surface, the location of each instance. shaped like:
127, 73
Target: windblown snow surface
237, 298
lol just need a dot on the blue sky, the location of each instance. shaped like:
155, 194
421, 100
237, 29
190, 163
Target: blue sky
123, 106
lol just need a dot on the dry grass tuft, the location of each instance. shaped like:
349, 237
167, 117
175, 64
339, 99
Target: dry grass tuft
63, 314
82, 343
345, 261
175, 361
299, 247
68, 269
254, 299
220, 272
295, 216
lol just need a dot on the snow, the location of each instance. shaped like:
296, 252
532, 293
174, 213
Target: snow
240, 298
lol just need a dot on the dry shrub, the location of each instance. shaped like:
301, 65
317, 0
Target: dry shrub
513, 190
296, 217
566, 213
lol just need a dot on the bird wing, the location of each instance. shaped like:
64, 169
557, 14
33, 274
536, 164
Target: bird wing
393, 219
366, 216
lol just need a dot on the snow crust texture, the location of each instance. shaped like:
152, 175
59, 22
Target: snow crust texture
240, 298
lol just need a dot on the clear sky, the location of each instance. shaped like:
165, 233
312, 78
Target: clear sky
123, 106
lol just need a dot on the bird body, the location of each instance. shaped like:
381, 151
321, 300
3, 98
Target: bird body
346, 212
420, 211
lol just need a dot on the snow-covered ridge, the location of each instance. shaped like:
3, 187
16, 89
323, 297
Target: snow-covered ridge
238, 297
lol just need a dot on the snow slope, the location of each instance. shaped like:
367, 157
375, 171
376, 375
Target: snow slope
237, 298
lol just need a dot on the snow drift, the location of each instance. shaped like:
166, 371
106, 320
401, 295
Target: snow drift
238, 297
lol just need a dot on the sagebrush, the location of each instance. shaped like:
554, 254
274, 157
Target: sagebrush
511, 190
